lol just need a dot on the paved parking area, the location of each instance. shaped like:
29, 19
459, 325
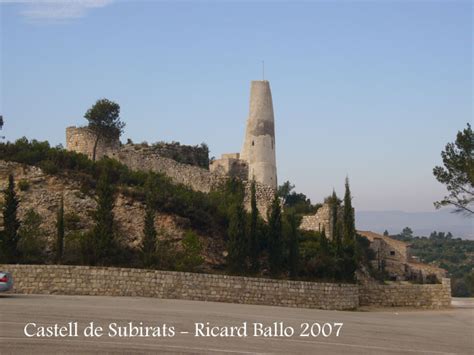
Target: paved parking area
388, 331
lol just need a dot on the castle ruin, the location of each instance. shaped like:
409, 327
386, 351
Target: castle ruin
257, 160
256, 163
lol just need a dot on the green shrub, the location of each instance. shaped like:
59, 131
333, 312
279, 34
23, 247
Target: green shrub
73, 249
32, 242
189, 259
201, 209
72, 222
23, 185
49, 167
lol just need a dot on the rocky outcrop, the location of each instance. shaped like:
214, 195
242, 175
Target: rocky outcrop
42, 193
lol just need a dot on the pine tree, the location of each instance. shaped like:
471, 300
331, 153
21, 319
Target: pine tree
275, 252
149, 245
237, 243
11, 224
253, 232
293, 246
60, 232
348, 223
103, 232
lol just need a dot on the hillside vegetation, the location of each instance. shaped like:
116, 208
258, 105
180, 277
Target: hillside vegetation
455, 255
253, 247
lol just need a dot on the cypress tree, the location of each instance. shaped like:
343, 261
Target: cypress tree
103, 232
149, 244
336, 233
349, 230
293, 246
11, 223
60, 232
253, 232
275, 252
324, 241
237, 243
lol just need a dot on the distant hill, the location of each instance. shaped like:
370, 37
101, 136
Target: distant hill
422, 223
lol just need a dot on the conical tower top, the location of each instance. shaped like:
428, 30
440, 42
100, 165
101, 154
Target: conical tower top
259, 143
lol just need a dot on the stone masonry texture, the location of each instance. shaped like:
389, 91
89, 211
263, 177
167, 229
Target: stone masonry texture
407, 295
111, 281
85, 280
135, 157
258, 149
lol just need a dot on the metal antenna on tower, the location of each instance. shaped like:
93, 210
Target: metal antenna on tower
263, 70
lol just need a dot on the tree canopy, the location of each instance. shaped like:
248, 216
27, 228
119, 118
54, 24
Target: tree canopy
104, 121
458, 173
299, 203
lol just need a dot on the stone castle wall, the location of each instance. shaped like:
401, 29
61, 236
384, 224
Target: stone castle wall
319, 221
264, 196
81, 140
111, 281
230, 165
197, 178
186, 154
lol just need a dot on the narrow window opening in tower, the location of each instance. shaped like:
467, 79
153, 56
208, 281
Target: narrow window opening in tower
272, 144
253, 143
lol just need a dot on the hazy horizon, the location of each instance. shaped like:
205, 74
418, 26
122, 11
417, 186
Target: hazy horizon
422, 223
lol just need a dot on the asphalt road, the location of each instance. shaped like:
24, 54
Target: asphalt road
363, 332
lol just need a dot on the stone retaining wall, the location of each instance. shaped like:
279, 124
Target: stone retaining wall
407, 295
111, 281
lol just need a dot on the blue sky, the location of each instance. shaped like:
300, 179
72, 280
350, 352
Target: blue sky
372, 89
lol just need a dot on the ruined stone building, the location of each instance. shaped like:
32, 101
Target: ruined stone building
256, 162
321, 220
393, 257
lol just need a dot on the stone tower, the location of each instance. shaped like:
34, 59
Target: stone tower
259, 143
